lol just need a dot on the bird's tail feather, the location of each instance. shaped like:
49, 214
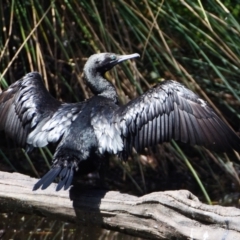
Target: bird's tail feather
65, 173
66, 176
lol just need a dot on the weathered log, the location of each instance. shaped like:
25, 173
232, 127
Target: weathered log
159, 215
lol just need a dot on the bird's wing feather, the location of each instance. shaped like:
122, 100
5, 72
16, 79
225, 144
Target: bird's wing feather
171, 111
30, 115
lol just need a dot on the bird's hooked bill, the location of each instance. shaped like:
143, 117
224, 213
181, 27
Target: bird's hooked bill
122, 58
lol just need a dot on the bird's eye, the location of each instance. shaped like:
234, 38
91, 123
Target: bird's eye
113, 57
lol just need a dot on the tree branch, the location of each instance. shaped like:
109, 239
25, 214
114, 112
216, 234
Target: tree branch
159, 215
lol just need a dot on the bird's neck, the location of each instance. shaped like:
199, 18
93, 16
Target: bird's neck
100, 86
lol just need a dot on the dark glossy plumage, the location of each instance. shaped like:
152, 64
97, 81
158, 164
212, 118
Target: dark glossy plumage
87, 132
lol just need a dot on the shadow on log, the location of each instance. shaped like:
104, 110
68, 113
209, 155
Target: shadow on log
159, 215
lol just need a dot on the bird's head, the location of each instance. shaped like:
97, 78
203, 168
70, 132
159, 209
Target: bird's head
103, 62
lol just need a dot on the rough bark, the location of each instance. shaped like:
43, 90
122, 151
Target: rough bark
159, 215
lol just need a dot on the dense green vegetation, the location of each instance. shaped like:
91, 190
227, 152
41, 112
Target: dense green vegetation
193, 42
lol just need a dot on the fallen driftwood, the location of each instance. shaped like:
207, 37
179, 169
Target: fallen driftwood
159, 215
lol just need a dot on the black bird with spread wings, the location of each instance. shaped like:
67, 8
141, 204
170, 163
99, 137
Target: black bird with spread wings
89, 131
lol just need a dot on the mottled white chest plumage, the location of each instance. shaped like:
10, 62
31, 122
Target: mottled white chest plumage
107, 132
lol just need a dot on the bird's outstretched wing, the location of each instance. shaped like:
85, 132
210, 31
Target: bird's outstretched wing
171, 111
31, 116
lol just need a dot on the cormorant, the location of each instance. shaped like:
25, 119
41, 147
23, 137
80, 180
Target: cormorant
88, 132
